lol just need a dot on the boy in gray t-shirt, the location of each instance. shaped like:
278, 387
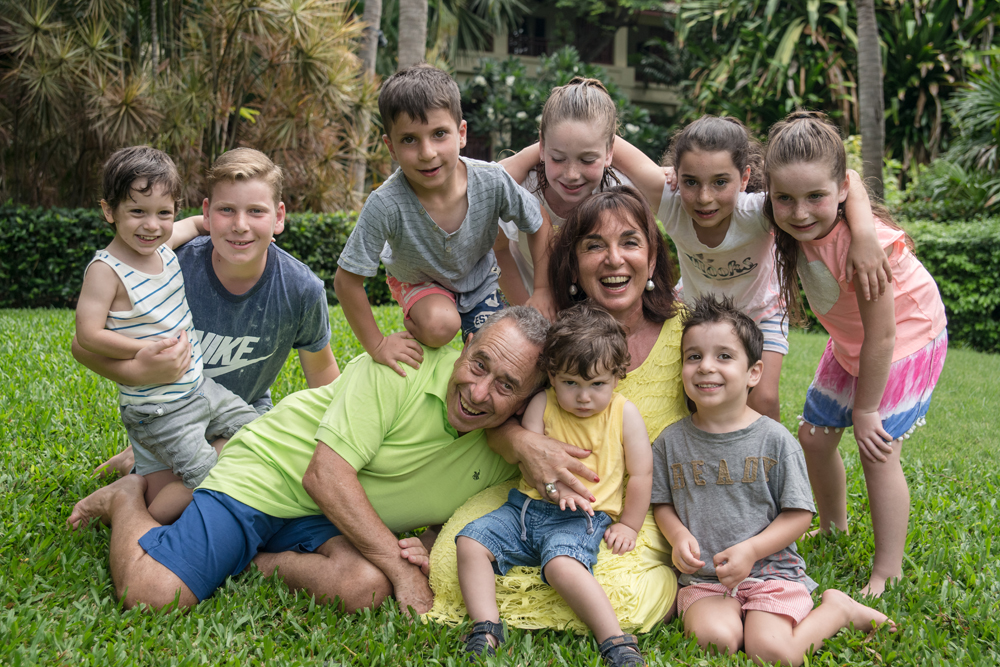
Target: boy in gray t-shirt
433, 224
731, 495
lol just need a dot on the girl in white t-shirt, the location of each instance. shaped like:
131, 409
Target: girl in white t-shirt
724, 242
571, 161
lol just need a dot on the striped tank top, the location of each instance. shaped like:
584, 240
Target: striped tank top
159, 310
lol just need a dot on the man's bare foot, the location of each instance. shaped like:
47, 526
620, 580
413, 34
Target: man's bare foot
121, 463
861, 617
98, 504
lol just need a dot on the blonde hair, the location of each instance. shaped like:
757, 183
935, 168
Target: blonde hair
245, 164
586, 101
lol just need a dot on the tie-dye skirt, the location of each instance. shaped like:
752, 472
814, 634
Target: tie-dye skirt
907, 396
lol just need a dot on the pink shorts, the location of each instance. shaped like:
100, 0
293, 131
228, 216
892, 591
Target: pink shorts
788, 598
407, 294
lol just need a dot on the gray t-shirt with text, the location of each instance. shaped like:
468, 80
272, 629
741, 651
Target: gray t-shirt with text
728, 487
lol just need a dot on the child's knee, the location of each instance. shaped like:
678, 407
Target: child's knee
771, 649
717, 634
434, 321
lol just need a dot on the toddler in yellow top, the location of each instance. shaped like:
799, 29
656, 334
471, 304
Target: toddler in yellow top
585, 355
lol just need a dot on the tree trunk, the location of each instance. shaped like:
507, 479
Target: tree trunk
372, 18
870, 97
412, 32
155, 37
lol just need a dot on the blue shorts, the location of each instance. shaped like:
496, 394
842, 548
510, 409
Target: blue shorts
217, 537
532, 536
475, 318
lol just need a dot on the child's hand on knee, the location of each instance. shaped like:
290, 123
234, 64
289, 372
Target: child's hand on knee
569, 499
733, 565
686, 555
620, 538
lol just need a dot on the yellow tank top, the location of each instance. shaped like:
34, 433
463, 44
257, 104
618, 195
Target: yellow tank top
600, 434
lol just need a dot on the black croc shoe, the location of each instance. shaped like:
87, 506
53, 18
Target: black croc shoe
621, 651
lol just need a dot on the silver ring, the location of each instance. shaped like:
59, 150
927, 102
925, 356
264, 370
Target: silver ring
550, 488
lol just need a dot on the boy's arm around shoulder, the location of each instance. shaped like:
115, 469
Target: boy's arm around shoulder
100, 287
186, 230
639, 465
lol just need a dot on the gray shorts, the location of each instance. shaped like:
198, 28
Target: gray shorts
177, 435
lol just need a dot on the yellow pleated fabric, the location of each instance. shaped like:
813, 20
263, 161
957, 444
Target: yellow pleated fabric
640, 584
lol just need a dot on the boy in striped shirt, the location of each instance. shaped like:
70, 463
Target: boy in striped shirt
132, 296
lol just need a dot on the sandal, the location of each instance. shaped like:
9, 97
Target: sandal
477, 644
621, 651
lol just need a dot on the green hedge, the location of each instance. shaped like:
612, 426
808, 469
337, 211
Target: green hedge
964, 259
43, 253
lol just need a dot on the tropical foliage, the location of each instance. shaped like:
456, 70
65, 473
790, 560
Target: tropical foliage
82, 78
758, 60
501, 102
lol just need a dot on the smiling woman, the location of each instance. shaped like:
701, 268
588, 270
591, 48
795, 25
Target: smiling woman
610, 251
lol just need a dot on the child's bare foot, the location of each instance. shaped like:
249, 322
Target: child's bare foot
875, 586
862, 617
98, 504
121, 463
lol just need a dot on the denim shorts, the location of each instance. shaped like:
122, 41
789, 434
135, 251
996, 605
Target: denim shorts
177, 435
217, 537
532, 535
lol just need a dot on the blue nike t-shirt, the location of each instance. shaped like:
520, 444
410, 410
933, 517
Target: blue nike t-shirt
246, 338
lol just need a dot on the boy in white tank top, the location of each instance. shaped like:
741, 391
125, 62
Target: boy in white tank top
132, 296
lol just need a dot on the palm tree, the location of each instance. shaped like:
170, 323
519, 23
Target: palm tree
870, 96
412, 32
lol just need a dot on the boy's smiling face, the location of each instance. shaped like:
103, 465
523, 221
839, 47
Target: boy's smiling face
426, 152
143, 222
243, 218
716, 371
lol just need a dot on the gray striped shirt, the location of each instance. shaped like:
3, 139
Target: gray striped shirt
395, 228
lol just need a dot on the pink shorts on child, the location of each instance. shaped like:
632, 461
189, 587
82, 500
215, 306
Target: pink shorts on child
776, 596
407, 294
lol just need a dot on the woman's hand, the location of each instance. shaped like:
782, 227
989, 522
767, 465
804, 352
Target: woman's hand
543, 460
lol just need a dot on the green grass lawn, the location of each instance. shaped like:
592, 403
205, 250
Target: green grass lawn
57, 604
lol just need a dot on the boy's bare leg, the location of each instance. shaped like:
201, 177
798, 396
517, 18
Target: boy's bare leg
717, 622
138, 578
167, 510
826, 474
764, 397
584, 595
170, 502
121, 463
770, 638
477, 581
889, 500
335, 572
434, 320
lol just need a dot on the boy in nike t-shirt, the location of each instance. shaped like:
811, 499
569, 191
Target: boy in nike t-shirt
251, 302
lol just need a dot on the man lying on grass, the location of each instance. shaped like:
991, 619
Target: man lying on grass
318, 488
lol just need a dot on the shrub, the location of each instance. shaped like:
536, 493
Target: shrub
964, 259
43, 252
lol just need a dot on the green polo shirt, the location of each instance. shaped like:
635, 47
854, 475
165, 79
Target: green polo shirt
394, 431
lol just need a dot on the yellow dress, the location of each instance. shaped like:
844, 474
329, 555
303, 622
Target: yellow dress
640, 584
